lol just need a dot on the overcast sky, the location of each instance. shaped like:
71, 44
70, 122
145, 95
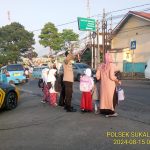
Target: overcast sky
34, 14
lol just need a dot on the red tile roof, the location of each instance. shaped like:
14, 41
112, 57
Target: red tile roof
141, 14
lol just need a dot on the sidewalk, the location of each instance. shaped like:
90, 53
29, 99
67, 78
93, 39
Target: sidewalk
133, 76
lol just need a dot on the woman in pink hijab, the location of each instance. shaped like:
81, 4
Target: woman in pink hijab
108, 96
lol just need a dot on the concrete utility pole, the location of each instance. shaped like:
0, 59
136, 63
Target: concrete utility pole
104, 34
8, 16
98, 50
93, 50
88, 8
110, 33
89, 38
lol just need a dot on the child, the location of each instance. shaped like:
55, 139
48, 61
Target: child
53, 94
86, 85
95, 98
45, 88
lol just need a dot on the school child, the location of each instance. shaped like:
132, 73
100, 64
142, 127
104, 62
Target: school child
27, 74
52, 92
86, 85
45, 88
95, 98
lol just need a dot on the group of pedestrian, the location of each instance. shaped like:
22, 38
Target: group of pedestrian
49, 79
102, 94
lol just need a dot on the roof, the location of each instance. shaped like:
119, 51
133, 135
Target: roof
143, 15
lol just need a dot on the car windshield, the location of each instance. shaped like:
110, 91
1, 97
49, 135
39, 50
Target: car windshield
39, 68
83, 66
15, 68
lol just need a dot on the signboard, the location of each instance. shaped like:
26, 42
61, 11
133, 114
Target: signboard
86, 24
133, 44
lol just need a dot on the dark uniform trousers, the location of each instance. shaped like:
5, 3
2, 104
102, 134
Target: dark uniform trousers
68, 94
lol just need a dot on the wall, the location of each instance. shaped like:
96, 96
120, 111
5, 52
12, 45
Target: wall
134, 29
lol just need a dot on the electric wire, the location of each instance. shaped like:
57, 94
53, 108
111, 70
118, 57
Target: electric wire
71, 22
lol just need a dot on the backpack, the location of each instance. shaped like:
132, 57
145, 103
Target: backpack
41, 83
85, 84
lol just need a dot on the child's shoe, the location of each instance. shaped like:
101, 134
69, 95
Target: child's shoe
112, 115
43, 101
96, 112
55, 104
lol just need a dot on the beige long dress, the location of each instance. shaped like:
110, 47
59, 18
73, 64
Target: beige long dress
108, 85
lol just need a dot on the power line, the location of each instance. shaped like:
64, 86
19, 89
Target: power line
122, 15
128, 8
97, 15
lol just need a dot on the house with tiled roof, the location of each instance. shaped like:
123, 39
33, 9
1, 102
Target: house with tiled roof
131, 42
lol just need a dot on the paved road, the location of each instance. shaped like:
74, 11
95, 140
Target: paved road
36, 126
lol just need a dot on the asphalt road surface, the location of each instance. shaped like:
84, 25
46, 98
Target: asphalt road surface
36, 126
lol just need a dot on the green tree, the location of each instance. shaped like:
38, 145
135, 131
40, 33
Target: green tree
68, 35
50, 37
15, 41
31, 54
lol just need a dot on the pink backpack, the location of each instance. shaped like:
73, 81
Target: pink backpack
86, 83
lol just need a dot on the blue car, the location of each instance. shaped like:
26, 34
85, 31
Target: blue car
13, 73
37, 72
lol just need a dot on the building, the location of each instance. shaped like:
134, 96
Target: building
131, 42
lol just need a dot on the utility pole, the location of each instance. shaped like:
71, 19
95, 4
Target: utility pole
89, 36
88, 8
8, 16
104, 34
98, 50
93, 50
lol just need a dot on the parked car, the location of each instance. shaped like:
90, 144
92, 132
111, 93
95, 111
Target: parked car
147, 70
37, 71
9, 96
78, 70
13, 73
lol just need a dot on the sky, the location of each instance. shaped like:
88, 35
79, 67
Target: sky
34, 14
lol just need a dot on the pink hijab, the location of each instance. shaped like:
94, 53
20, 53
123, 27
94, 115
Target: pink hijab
108, 60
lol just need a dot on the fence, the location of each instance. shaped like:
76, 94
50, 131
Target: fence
134, 67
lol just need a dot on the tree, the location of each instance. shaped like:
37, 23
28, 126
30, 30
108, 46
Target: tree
68, 35
31, 54
50, 37
15, 41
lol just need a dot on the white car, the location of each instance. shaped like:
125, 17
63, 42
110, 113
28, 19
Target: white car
147, 70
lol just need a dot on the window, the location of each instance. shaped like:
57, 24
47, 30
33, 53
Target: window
83, 66
15, 68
